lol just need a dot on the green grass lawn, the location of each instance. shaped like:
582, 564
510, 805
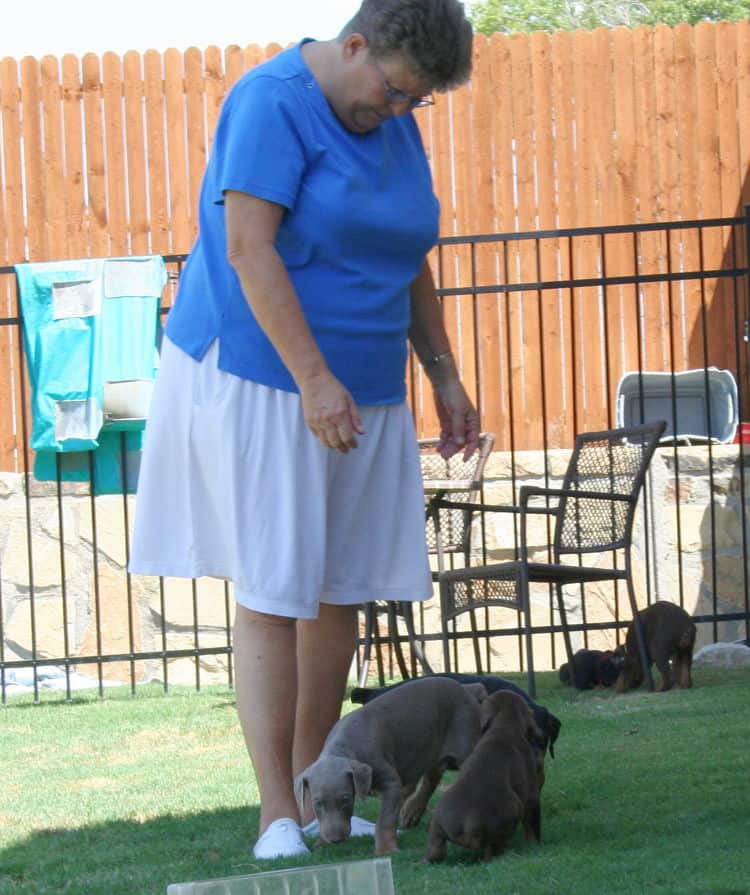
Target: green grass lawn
649, 793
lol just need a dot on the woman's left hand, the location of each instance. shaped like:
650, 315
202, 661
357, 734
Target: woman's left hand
459, 420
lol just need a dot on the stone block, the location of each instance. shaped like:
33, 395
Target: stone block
179, 610
730, 571
11, 485
108, 631
45, 559
110, 526
678, 492
44, 615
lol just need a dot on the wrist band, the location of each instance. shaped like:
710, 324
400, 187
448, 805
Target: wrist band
436, 358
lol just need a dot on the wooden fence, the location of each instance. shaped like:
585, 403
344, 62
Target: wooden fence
104, 157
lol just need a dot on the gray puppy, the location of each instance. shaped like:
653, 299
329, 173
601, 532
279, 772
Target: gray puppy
407, 737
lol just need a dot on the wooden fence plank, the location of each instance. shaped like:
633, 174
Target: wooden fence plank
234, 65
97, 223
136, 160
483, 100
215, 89
504, 164
551, 360
196, 132
562, 98
177, 162
464, 308
13, 192
161, 238
723, 325
587, 302
112, 96
686, 244
623, 320
253, 55
653, 297
743, 108
54, 175
75, 201
707, 343
524, 306
33, 158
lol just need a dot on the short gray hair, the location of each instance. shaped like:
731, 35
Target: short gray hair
434, 37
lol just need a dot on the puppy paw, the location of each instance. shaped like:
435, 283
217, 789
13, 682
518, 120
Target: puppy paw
410, 814
386, 845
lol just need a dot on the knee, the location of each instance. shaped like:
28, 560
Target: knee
249, 618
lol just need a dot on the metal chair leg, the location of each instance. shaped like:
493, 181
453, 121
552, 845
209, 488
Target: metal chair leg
407, 613
444, 628
566, 633
364, 668
525, 596
638, 627
393, 636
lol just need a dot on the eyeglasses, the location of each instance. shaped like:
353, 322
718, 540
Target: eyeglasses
395, 96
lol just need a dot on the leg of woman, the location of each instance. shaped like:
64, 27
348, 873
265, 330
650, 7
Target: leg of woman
325, 649
266, 687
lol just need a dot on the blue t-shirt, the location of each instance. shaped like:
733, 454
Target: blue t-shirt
360, 216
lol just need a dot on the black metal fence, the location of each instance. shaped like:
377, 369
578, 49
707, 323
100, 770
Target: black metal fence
546, 325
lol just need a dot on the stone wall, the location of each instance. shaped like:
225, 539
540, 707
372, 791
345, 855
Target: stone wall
692, 552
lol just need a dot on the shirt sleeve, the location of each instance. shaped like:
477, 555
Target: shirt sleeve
258, 147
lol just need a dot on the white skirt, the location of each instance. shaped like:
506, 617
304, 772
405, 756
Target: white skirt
234, 485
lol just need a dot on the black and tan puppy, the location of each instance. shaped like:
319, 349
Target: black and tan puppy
592, 668
548, 724
497, 787
397, 746
669, 634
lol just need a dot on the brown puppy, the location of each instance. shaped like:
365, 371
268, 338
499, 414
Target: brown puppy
669, 634
497, 787
408, 736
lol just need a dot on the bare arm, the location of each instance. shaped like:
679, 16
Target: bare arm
251, 224
459, 420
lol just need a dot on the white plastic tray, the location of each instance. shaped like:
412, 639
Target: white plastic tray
373, 877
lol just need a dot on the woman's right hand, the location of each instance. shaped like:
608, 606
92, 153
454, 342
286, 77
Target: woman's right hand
330, 412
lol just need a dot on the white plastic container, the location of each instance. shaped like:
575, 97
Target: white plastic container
698, 405
373, 877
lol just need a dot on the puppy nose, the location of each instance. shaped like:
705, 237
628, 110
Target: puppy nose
338, 834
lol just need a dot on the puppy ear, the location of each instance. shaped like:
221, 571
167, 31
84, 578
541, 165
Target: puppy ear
300, 782
534, 733
362, 779
487, 712
553, 727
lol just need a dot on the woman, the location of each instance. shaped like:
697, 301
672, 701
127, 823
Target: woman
280, 452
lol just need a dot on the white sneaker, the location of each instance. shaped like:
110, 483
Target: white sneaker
282, 839
359, 827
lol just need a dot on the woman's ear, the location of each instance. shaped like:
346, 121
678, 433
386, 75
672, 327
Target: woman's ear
353, 45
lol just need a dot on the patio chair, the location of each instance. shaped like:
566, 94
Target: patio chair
593, 514
447, 533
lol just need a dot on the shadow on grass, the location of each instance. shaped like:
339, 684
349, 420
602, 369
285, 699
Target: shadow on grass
129, 857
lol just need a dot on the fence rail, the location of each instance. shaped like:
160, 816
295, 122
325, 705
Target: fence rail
543, 324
